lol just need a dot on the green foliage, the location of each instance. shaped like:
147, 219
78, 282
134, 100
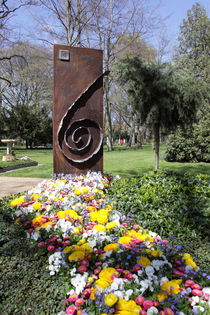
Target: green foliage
169, 204
191, 145
26, 286
194, 43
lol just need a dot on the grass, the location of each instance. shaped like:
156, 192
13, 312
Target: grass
122, 161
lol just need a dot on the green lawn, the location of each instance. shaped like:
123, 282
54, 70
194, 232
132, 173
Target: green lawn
123, 161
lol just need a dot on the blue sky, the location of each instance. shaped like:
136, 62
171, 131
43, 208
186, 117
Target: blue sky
177, 11
174, 10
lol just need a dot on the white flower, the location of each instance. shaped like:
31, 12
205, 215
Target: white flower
119, 294
55, 261
79, 282
118, 284
163, 280
35, 235
188, 268
144, 285
152, 311
199, 308
149, 270
128, 294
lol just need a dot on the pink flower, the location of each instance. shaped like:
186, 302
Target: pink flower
189, 283
142, 312
86, 293
197, 292
168, 311
82, 268
73, 297
136, 267
196, 286
41, 244
79, 302
147, 304
97, 271
128, 275
139, 300
50, 248
85, 262
162, 312
156, 303
178, 273
70, 310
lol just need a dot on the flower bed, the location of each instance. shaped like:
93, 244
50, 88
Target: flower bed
114, 265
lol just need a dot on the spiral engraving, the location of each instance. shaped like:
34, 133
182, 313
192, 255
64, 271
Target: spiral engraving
75, 136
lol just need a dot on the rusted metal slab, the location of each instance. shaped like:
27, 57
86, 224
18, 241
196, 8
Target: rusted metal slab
77, 110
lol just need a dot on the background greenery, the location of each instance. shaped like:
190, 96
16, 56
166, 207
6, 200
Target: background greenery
171, 204
123, 161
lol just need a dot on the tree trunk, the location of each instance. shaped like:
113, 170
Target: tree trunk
108, 113
156, 134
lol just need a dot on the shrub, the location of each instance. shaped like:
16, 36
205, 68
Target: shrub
190, 145
169, 204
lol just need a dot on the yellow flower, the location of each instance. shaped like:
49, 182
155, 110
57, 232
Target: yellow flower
127, 306
36, 205
99, 228
140, 236
161, 296
112, 246
100, 216
111, 225
77, 256
17, 201
81, 241
171, 286
91, 208
35, 196
67, 249
108, 207
102, 283
92, 295
110, 299
154, 253
78, 192
46, 224
125, 240
87, 248
189, 261
144, 261
37, 220
85, 190
61, 214
108, 273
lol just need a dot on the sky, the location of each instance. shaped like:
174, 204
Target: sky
173, 11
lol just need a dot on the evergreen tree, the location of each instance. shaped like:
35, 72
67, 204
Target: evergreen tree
193, 51
163, 98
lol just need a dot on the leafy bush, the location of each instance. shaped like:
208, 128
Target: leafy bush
169, 204
25, 281
164, 202
191, 145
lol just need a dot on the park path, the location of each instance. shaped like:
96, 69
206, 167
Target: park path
14, 185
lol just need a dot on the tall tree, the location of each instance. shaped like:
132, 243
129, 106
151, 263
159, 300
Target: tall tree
26, 104
162, 98
99, 24
193, 51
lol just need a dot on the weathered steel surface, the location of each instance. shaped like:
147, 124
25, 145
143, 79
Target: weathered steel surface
77, 110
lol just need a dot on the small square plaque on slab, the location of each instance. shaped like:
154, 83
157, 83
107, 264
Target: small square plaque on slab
64, 55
